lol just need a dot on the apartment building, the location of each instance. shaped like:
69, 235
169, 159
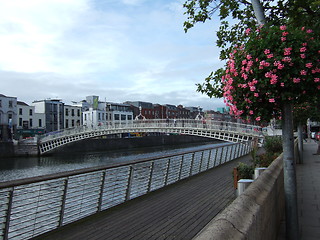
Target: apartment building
8, 117
29, 122
54, 113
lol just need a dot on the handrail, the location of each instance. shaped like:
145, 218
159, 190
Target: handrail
33, 206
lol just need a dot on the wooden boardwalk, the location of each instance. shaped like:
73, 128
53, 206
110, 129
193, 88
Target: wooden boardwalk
178, 211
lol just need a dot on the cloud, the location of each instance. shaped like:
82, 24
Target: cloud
73, 48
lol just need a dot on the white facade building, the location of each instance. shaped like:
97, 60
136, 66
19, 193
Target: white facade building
105, 113
8, 117
72, 116
29, 122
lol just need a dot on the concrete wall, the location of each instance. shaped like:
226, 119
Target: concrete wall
255, 214
6, 149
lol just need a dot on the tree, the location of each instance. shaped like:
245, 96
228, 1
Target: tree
269, 69
241, 14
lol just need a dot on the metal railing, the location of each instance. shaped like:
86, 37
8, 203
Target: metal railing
158, 123
30, 207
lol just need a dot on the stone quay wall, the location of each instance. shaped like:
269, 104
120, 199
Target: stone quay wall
256, 213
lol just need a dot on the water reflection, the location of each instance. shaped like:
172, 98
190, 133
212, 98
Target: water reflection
16, 168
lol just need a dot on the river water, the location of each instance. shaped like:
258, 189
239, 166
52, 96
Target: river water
17, 168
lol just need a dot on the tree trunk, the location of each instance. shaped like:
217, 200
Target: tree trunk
289, 169
300, 142
258, 11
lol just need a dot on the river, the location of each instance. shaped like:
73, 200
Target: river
17, 168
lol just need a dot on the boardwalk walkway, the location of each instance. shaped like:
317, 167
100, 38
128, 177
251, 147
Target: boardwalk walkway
178, 211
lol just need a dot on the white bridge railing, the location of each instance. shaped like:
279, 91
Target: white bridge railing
227, 131
33, 206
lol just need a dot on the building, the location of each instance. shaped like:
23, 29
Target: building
29, 123
8, 117
72, 116
98, 113
183, 113
54, 113
147, 109
195, 112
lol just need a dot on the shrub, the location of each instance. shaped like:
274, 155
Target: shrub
273, 144
245, 171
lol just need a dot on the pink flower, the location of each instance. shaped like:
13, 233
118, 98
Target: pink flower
283, 27
267, 51
287, 51
302, 56
296, 80
303, 49
252, 89
248, 30
285, 34
258, 119
309, 65
282, 84
286, 59
250, 112
309, 31
271, 100
256, 94
303, 72
283, 39
316, 79
270, 56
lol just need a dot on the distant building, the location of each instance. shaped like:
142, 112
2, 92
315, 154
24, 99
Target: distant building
147, 109
8, 117
98, 113
54, 113
183, 113
30, 123
195, 111
72, 116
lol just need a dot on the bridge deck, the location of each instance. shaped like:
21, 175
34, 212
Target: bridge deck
178, 211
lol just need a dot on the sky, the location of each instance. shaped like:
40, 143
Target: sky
119, 50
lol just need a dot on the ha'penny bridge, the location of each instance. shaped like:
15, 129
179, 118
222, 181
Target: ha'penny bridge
220, 130
164, 197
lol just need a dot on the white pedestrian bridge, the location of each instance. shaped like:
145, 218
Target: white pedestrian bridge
221, 130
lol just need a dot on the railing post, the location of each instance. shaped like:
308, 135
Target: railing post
208, 164
8, 215
201, 161
63, 201
130, 178
181, 165
222, 149
150, 176
103, 177
167, 172
191, 165
215, 157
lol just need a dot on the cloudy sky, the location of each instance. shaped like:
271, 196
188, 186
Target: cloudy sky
117, 49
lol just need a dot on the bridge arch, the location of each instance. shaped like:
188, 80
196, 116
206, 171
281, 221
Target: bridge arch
226, 131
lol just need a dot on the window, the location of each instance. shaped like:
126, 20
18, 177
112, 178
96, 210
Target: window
20, 111
0, 103
67, 112
20, 122
99, 116
30, 112
40, 122
129, 117
116, 117
30, 122
72, 112
72, 122
123, 117
67, 123
78, 112
85, 117
10, 104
